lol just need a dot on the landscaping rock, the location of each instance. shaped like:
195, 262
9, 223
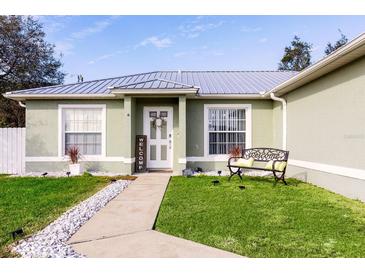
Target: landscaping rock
51, 241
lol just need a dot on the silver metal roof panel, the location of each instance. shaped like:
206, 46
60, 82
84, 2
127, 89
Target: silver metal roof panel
208, 82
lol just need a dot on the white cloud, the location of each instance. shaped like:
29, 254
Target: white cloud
64, 47
263, 40
196, 27
55, 23
100, 58
107, 56
156, 42
250, 29
98, 26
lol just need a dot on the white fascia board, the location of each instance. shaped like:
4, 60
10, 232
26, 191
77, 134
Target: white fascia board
22, 97
230, 96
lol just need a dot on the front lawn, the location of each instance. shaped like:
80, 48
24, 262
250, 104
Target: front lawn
263, 220
32, 203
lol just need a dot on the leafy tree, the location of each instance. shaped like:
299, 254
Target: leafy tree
297, 56
26, 61
339, 43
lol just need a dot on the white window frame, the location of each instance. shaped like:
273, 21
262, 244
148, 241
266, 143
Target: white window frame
61, 131
248, 115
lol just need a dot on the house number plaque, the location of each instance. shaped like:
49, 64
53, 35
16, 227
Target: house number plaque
141, 148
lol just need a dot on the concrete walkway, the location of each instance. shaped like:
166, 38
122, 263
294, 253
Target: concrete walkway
123, 229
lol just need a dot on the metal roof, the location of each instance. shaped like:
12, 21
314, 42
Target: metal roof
207, 82
155, 84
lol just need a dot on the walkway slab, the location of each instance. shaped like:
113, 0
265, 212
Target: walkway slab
124, 227
134, 211
149, 244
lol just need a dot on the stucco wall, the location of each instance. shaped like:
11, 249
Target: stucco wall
326, 125
326, 118
42, 133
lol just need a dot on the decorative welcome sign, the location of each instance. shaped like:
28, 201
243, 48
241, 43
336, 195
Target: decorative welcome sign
141, 147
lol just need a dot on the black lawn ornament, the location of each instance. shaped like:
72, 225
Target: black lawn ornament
44, 174
215, 182
17, 232
219, 172
68, 173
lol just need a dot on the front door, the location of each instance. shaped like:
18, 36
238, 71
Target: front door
157, 125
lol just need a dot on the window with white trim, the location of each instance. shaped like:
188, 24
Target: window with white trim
82, 127
226, 129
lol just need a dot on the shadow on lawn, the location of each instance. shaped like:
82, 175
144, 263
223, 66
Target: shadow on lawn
259, 179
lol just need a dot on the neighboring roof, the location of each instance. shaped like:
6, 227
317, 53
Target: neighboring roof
342, 56
205, 82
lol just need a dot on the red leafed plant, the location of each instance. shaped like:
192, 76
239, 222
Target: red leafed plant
235, 151
74, 154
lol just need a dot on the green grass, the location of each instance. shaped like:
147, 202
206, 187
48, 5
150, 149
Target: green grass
298, 220
32, 203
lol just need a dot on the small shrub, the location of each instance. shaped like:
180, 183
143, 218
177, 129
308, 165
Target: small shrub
74, 154
235, 151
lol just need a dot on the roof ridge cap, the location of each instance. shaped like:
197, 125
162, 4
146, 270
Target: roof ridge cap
156, 79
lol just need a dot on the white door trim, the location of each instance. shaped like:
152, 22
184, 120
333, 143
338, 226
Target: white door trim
146, 121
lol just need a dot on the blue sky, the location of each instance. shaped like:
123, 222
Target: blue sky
107, 46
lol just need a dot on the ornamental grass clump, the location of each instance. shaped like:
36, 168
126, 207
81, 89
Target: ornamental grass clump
74, 154
235, 151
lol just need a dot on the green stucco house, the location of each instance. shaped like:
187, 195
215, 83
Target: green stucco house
193, 118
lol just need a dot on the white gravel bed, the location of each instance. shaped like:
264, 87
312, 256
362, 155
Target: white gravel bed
51, 241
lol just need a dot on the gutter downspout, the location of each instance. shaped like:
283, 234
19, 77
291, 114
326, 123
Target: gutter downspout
21, 104
283, 102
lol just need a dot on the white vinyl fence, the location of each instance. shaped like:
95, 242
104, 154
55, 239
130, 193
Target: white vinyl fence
12, 150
